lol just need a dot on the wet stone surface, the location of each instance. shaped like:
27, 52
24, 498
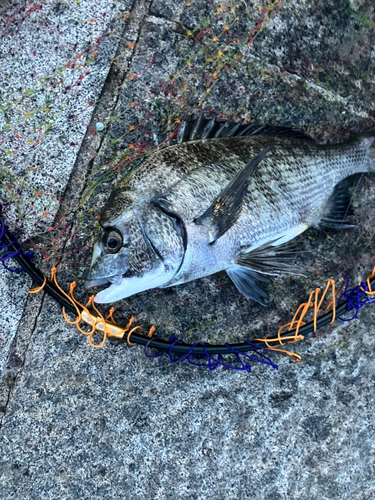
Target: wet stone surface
111, 423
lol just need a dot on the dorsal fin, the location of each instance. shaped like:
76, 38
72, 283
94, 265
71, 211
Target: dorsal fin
210, 128
226, 208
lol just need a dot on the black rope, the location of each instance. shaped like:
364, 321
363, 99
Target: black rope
157, 343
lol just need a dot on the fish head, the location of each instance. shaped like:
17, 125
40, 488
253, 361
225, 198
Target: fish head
139, 250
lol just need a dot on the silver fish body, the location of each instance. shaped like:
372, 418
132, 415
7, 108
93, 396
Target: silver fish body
158, 214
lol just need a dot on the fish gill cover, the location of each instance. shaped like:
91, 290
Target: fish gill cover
260, 62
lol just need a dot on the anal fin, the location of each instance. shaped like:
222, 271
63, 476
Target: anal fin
245, 279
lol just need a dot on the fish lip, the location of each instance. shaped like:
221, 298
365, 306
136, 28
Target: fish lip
115, 279
96, 282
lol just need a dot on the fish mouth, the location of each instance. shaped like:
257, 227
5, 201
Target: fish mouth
110, 280
97, 282
131, 286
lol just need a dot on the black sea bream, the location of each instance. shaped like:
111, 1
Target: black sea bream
222, 203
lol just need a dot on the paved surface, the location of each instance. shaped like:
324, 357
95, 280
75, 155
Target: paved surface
54, 61
80, 423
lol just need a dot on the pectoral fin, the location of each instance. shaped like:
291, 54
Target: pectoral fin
225, 210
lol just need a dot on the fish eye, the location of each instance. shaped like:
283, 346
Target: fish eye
112, 240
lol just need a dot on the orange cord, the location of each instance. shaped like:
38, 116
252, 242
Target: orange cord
151, 331
105, 327
131, 321
96, 321
111, 311
297, 323
131, 331
370, 292
39, 288
108, 326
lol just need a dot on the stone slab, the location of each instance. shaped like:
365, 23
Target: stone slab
54, 60
110, 423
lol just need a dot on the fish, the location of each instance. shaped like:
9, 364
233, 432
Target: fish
222, 197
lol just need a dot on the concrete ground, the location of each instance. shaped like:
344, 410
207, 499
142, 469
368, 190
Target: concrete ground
83, 85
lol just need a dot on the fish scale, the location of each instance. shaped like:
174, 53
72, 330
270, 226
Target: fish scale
299, 191
195, 211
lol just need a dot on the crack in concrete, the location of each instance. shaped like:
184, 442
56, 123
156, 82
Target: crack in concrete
81, 171
108, 103
19, 347
175, 18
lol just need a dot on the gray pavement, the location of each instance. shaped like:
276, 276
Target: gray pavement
45, 117
81, 423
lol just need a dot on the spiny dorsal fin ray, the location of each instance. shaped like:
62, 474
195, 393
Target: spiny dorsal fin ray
210, 128
269, 259
226, 208
245, 279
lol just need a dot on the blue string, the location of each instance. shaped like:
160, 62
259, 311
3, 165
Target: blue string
208, 361
12, 253
152, 355
356, 299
